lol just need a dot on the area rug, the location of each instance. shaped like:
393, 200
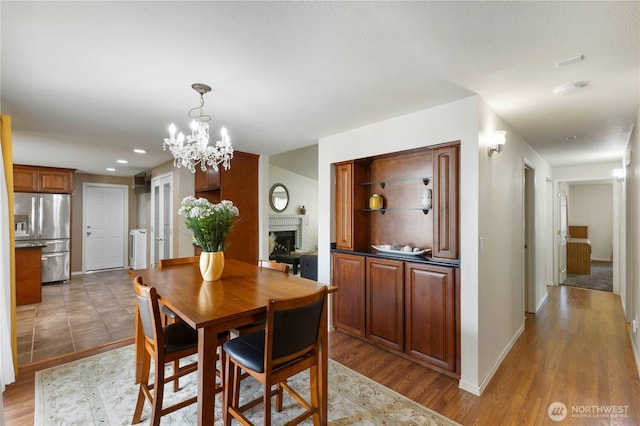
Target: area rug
100, 390
601, 277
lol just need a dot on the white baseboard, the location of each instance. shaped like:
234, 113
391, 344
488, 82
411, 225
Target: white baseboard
636, 356
542, 302
477, 390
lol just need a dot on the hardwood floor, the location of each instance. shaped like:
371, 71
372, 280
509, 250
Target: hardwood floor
576, 350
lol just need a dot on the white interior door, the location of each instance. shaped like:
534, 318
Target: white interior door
105, 223
562, 235
161, 218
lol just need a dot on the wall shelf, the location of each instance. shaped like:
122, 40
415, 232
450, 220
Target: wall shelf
384, 210
383, 183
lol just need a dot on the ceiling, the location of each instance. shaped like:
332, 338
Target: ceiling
86, 82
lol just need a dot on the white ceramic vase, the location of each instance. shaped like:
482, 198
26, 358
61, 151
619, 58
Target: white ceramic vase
211, 265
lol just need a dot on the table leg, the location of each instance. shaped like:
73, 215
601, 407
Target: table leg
207, 346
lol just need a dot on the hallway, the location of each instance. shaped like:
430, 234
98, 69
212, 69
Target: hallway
576, 351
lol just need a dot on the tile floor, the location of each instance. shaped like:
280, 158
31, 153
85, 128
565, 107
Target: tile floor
87, 311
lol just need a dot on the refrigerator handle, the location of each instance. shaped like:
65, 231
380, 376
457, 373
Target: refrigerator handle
40, 216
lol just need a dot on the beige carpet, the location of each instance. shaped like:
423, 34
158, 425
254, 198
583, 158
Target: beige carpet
99, 390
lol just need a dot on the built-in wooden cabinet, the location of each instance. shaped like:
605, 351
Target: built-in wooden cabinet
28, 275
349, 302
430, 314
42, 179
385, 302
351, 201
208, 180
445, 202
403, 303
410, 308
240, 185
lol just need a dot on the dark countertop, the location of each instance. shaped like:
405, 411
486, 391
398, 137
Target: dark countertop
30, 244
407, 258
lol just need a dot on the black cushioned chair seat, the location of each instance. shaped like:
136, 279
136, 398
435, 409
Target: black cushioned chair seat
179, 336
248, 350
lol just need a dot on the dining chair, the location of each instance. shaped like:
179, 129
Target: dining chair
169, 315
163, 344
288, 345
259, 324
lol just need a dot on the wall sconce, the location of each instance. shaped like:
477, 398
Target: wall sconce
618, 174
498, 139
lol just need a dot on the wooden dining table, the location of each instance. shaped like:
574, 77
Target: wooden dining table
240, 297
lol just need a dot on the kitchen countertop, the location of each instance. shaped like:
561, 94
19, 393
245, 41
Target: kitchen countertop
407, 258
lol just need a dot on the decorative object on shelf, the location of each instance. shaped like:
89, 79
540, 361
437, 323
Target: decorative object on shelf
498, 139
194, 149
426, 199
210, 224
400, 249
375, 202
278, 197
302, 210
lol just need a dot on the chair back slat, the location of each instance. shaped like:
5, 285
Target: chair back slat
276, 266
149, 312
178, 261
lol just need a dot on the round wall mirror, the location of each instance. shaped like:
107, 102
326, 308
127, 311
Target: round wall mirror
278, 197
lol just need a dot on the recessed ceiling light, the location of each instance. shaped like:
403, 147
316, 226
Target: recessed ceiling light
111, 169
569, 87
571, 138
122, 161
139, 151
569, 61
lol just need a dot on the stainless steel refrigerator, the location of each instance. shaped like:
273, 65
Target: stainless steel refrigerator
45, 220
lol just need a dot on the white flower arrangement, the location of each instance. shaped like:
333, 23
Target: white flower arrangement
210, 223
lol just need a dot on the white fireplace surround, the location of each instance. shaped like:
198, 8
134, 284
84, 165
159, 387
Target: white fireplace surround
292, 222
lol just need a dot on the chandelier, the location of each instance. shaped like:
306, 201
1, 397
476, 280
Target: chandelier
194, 149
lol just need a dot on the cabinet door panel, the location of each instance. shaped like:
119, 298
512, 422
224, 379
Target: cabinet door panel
430, 314
344, 206
25, 179
349, 304
385, 302
445, 202
55, 181
207, 180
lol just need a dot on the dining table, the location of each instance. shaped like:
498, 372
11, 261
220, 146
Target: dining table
238, 298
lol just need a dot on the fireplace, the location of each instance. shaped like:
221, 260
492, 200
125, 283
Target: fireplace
296, 223
285, 241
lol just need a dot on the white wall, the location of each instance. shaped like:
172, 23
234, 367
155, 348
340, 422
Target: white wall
446, 123
303, 191
592, 206
501, 226
632, 186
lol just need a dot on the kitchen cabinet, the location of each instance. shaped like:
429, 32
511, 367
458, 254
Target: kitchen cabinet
42, 179
208, 180
430, 314
28, 272
385, 302
410, 308
445, 202
352, 222
348, 302
240, 185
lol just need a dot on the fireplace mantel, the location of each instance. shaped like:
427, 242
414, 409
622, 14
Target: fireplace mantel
292, 222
